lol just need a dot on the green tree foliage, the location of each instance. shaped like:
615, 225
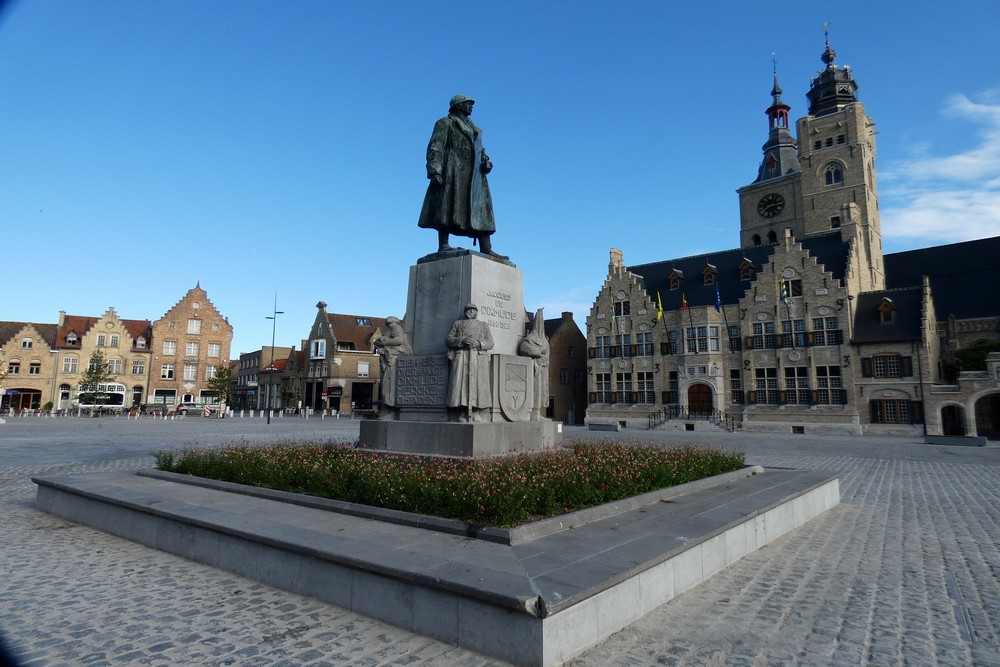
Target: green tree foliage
222, 382
91, 379
974, 358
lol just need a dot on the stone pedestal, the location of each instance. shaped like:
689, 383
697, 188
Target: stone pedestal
466, 440
441, 288
441, 285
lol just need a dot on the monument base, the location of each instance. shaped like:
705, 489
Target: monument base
469, 440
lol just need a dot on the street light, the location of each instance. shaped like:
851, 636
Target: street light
270, 367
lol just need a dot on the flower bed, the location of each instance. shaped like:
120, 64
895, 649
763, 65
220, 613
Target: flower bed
502, 492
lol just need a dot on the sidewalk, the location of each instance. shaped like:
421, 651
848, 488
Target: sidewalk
903, 571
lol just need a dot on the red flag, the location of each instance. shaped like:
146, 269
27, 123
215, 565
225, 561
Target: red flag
684, 302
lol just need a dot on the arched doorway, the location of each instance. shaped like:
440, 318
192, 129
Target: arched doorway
700, 402
953, 420
988, 416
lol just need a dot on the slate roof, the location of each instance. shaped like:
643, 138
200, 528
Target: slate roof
868, 326
347, 330
829, 250
965, 277
46, 331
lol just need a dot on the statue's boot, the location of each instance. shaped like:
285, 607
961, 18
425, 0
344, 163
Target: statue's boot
443, 241
486, 247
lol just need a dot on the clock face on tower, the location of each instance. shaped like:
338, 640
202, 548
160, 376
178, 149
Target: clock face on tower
770, 205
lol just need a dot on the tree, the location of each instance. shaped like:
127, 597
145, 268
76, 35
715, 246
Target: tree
91, 379
221, 383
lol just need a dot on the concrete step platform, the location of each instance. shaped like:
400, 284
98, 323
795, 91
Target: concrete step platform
535, 602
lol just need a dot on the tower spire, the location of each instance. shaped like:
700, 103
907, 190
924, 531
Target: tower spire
780, 151
833, 88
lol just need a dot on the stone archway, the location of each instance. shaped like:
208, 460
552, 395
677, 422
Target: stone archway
952, 420
988, 416
700, 400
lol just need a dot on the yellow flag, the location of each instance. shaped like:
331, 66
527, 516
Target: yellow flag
659, 307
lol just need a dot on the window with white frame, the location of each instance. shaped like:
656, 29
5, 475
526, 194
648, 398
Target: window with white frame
70, 364
215, 349
644, 387
138, 367
114, 340
27, 343
211, 372
766, 385
624, 381
170, 347
191, 372
829, 385
14, 367
167, 372
140, 342
825, 331
363, 369
702, 339
191, 349
763, 335
102, 340
735, 387
115, 366
194, 326
317, 349
35, 368
602, 385
644, 344
797, 385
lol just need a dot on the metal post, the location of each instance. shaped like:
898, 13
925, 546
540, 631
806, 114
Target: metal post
270, 367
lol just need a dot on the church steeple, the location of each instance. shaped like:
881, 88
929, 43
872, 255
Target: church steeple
833, 88
780, 151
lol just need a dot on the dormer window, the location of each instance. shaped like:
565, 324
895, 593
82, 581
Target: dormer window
887, 311
710, 274
363, 321
676, 279
140, 342
748, 272
71, 339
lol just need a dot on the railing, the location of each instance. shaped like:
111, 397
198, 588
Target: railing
668, 412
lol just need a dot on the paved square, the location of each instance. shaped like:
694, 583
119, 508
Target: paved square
903, 571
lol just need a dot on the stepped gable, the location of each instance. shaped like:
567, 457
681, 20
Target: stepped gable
830, 250
907, 306
963, 276
196, 293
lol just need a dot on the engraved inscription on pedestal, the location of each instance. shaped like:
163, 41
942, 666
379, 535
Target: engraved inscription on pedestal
421, 380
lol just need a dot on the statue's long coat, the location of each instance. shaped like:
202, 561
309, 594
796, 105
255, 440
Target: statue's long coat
462, 204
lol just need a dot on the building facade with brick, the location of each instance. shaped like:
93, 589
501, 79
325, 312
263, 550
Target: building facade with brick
567, 370
27, 365
191, 341
806, 326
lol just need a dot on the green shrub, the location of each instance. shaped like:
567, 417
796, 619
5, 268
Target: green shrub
505, 491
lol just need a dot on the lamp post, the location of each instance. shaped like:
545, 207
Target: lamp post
270, 367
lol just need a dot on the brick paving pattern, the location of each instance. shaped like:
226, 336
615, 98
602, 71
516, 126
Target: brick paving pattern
903, 572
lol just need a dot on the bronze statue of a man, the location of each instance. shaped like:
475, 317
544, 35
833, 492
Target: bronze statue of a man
458, 197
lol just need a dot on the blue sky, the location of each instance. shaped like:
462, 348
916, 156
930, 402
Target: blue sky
265, 147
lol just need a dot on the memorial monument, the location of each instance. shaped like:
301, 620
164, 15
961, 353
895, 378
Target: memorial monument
465, 376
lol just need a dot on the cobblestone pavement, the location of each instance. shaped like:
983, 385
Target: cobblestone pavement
903, 572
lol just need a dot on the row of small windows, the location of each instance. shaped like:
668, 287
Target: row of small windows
828, 142
190, 372
191, 348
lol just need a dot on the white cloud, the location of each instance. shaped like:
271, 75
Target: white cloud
948, 198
